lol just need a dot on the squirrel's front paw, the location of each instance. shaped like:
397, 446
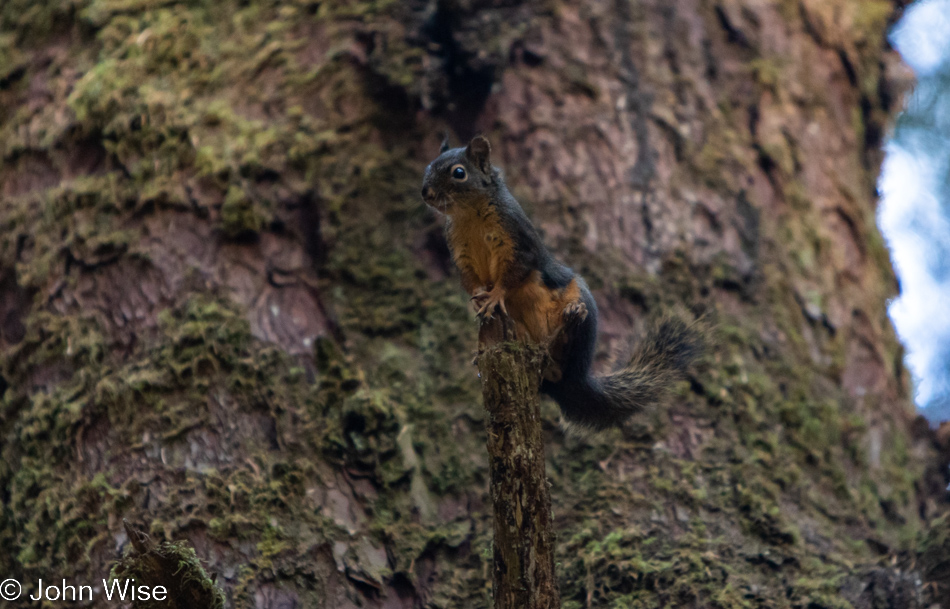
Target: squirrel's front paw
478, 299
486, 302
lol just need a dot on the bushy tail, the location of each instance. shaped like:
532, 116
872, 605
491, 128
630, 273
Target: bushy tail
661, 358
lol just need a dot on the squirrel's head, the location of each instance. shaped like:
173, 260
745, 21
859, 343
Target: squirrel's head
459, 177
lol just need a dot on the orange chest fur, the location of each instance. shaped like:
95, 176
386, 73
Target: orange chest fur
484, 251
480, 245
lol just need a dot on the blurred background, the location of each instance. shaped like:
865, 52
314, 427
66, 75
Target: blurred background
915, 209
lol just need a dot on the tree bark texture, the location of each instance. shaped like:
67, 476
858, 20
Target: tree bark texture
225, 313
523, 541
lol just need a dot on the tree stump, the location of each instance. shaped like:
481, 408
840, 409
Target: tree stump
523, 556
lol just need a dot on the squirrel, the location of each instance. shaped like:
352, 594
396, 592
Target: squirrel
505, 266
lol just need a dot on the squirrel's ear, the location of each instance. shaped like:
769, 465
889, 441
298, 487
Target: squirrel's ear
479, 153
445, 142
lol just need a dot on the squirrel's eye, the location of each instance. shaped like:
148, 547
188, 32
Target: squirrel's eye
458, 172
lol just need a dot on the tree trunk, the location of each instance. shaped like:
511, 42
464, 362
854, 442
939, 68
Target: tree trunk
226, 314
523, 541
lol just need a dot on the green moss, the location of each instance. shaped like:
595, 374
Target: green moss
647, 571
173, 566
239, 215
767, 72
871, 20
721, 155
223, 111
758, 506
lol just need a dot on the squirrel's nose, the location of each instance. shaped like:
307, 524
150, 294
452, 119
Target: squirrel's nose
428, 193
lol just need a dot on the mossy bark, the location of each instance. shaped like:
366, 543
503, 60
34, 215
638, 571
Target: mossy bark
172, 567
226, 314
523, 543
